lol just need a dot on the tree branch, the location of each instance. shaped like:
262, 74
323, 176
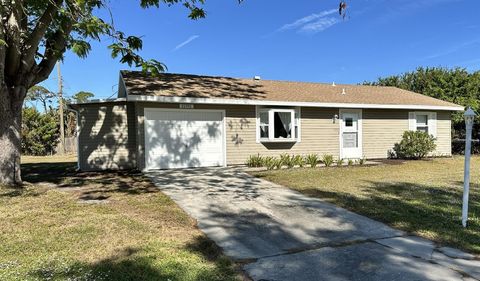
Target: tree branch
31, 45
53, 51
13, 34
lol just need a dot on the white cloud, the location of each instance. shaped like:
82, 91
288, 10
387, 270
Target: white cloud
453, 49
319, 25
307, 19
186, 42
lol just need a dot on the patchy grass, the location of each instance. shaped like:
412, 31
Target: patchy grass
421, 197
99, 226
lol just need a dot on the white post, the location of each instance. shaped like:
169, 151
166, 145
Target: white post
469, 117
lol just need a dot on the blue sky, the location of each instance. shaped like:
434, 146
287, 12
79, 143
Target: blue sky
302, 40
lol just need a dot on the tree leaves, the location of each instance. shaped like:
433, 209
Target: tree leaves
455, 85
82, 96
81, 48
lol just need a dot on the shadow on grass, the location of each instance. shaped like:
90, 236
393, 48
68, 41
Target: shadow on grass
90, 185
432, 211
134, 264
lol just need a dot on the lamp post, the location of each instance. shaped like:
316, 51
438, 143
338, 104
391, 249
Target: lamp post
469, 118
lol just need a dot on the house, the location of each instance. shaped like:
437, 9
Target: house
178, 120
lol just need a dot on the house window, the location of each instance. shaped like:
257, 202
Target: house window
348, 122
275, 124
263, 125
421, 122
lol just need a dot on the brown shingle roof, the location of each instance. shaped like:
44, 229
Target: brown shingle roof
195, 86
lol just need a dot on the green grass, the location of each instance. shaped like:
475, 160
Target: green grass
65, 225
420, 197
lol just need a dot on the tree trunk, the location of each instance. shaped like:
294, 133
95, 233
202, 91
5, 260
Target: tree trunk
11, 101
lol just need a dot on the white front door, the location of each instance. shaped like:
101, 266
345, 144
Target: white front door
176, 138
351, 133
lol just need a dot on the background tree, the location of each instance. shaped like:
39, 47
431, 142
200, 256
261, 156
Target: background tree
455, 85
41, 94
40, 132
34, 35
82, 96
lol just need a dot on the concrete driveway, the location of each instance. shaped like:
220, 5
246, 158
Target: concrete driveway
280, 234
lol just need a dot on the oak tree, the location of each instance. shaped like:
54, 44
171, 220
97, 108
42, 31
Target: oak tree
34, 35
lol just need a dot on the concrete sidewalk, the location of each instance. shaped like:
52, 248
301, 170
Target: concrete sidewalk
281, 234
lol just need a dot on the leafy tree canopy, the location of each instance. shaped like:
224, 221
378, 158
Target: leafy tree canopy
40, 132
455, 85
40, 93
82, 96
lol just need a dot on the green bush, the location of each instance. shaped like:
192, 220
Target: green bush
255, 161
40, 132
299, 161
285, 160
340, 162
350, 162
312, 160
327, 160
414, 145
278, 163
270, 162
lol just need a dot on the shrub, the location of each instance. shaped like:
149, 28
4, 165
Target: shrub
278, 163
414, 145
299, 161
350, 162
40, 132
312, 160
340, 162
269, 162
255, 161
327, 160
286, 160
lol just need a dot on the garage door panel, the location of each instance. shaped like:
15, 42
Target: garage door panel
180, 139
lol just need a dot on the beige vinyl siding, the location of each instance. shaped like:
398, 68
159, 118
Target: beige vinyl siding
444, 133
319, 133
104, 138
382, 128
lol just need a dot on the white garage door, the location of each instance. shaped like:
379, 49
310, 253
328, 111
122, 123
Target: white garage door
184, 138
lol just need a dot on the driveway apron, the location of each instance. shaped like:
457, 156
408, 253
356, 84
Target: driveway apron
280, 234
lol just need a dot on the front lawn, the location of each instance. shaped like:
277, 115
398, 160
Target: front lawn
421, 197
99, 226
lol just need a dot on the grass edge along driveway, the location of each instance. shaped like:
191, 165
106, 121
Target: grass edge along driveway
66, 225
421, 197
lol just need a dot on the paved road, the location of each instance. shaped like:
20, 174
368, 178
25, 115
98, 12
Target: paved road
281, 234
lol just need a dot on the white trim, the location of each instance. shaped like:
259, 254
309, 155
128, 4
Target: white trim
98, 101
431, 121
163, 99
271, 127
152, 109
299, 120
341, 111
257, 126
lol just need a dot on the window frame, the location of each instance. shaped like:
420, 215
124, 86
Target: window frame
295, 122
431, 121
418, 125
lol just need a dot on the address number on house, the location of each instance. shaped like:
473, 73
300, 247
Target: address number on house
186, 106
